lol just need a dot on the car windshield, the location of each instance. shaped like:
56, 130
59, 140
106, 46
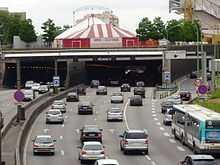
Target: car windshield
54, 112
44, 140
114, 110
58, 102
91, 129
136, 136
204, 162
92, 147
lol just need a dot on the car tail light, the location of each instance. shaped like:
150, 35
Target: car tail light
103, 152
83, 152
125, 142
84, 135
99, 135
51, 145
35, 145
146, 141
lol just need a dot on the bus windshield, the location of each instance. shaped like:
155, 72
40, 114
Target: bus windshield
212, 136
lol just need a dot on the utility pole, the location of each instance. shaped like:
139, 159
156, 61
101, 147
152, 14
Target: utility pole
213, 67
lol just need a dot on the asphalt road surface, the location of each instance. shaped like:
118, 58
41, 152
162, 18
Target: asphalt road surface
163, 148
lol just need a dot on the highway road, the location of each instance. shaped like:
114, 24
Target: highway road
163, 149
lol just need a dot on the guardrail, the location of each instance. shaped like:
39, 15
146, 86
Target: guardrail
19, 152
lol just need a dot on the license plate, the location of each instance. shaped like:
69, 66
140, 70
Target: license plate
92, 158
91, 134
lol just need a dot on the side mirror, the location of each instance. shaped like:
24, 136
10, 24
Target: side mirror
101, 129
33, 140
121, 136
54, 140
80, 147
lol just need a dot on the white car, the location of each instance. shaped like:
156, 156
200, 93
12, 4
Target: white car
115, 113
117, 98
43, 144
91, 151
43, 89
28, 95
54, 116
28, 84
35, 86
167, 120
106, 162
59, 104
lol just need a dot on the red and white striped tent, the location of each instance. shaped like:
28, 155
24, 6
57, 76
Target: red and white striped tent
97, 35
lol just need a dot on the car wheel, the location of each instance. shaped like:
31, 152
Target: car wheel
121, 148
182, 140
194, 149
146, 152
34, 153
52, 153
82, 161
125, 152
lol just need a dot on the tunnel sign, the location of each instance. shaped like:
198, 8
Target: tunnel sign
56, 81
167, 76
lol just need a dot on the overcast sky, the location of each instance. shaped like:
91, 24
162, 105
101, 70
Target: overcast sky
130, 12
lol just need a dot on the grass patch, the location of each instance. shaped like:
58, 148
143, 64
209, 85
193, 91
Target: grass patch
215, 95
210, 105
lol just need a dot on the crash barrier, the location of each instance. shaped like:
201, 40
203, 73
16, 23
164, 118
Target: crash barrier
167, 94
22, 137
28, 105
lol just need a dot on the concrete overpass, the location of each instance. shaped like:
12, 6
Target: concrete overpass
177, 62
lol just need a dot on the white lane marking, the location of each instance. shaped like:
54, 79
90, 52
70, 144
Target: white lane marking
111, 130
95, 119
154, 115
153, 112
180, 148
45, 130
61, 137
172, 141
158, 123
125, 118
66, 117
153, 163
62, 153
153, 109
162, 129
148, 157
155, 119
77, 131
166, 134
62, 125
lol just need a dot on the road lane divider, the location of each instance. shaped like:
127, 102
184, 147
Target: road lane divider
180, 148
125, 110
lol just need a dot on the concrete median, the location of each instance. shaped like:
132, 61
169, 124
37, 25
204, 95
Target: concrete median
19, 153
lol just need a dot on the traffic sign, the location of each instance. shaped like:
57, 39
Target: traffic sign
167, 76
19, 96
56, 81
202, 89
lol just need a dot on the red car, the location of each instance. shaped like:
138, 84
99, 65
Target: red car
185, 95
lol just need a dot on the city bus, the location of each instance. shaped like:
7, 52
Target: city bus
197, 127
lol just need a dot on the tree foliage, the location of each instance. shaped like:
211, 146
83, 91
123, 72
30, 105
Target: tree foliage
175, 30
11, 25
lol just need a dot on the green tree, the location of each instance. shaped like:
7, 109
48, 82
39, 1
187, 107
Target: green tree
174, 30
159, 30
145, 29
50, 32
27, 32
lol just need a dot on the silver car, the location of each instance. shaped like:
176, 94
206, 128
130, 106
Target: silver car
167, 120
115, 113
59, 104
117, 98
91, 151
134, 140
44, 144
54, 116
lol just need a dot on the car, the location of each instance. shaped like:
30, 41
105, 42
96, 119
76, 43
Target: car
35, 86
44, 144
193, 75
136, 100
175, 99
167, 120
28, 95
106, 162
50, 84
72, 96
185, 95
43, 89
94, 84
101, 90
125, 88
28, 84
90, 133
139, 91
91, 151
117, 98
85, 107
59, 104
113, 82
54, 116
198, 160
209, 75
134, 140
140, 84
81, 90
165, 105
115, 113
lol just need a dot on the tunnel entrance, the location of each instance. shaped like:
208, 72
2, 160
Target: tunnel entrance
126, 71
38, 71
